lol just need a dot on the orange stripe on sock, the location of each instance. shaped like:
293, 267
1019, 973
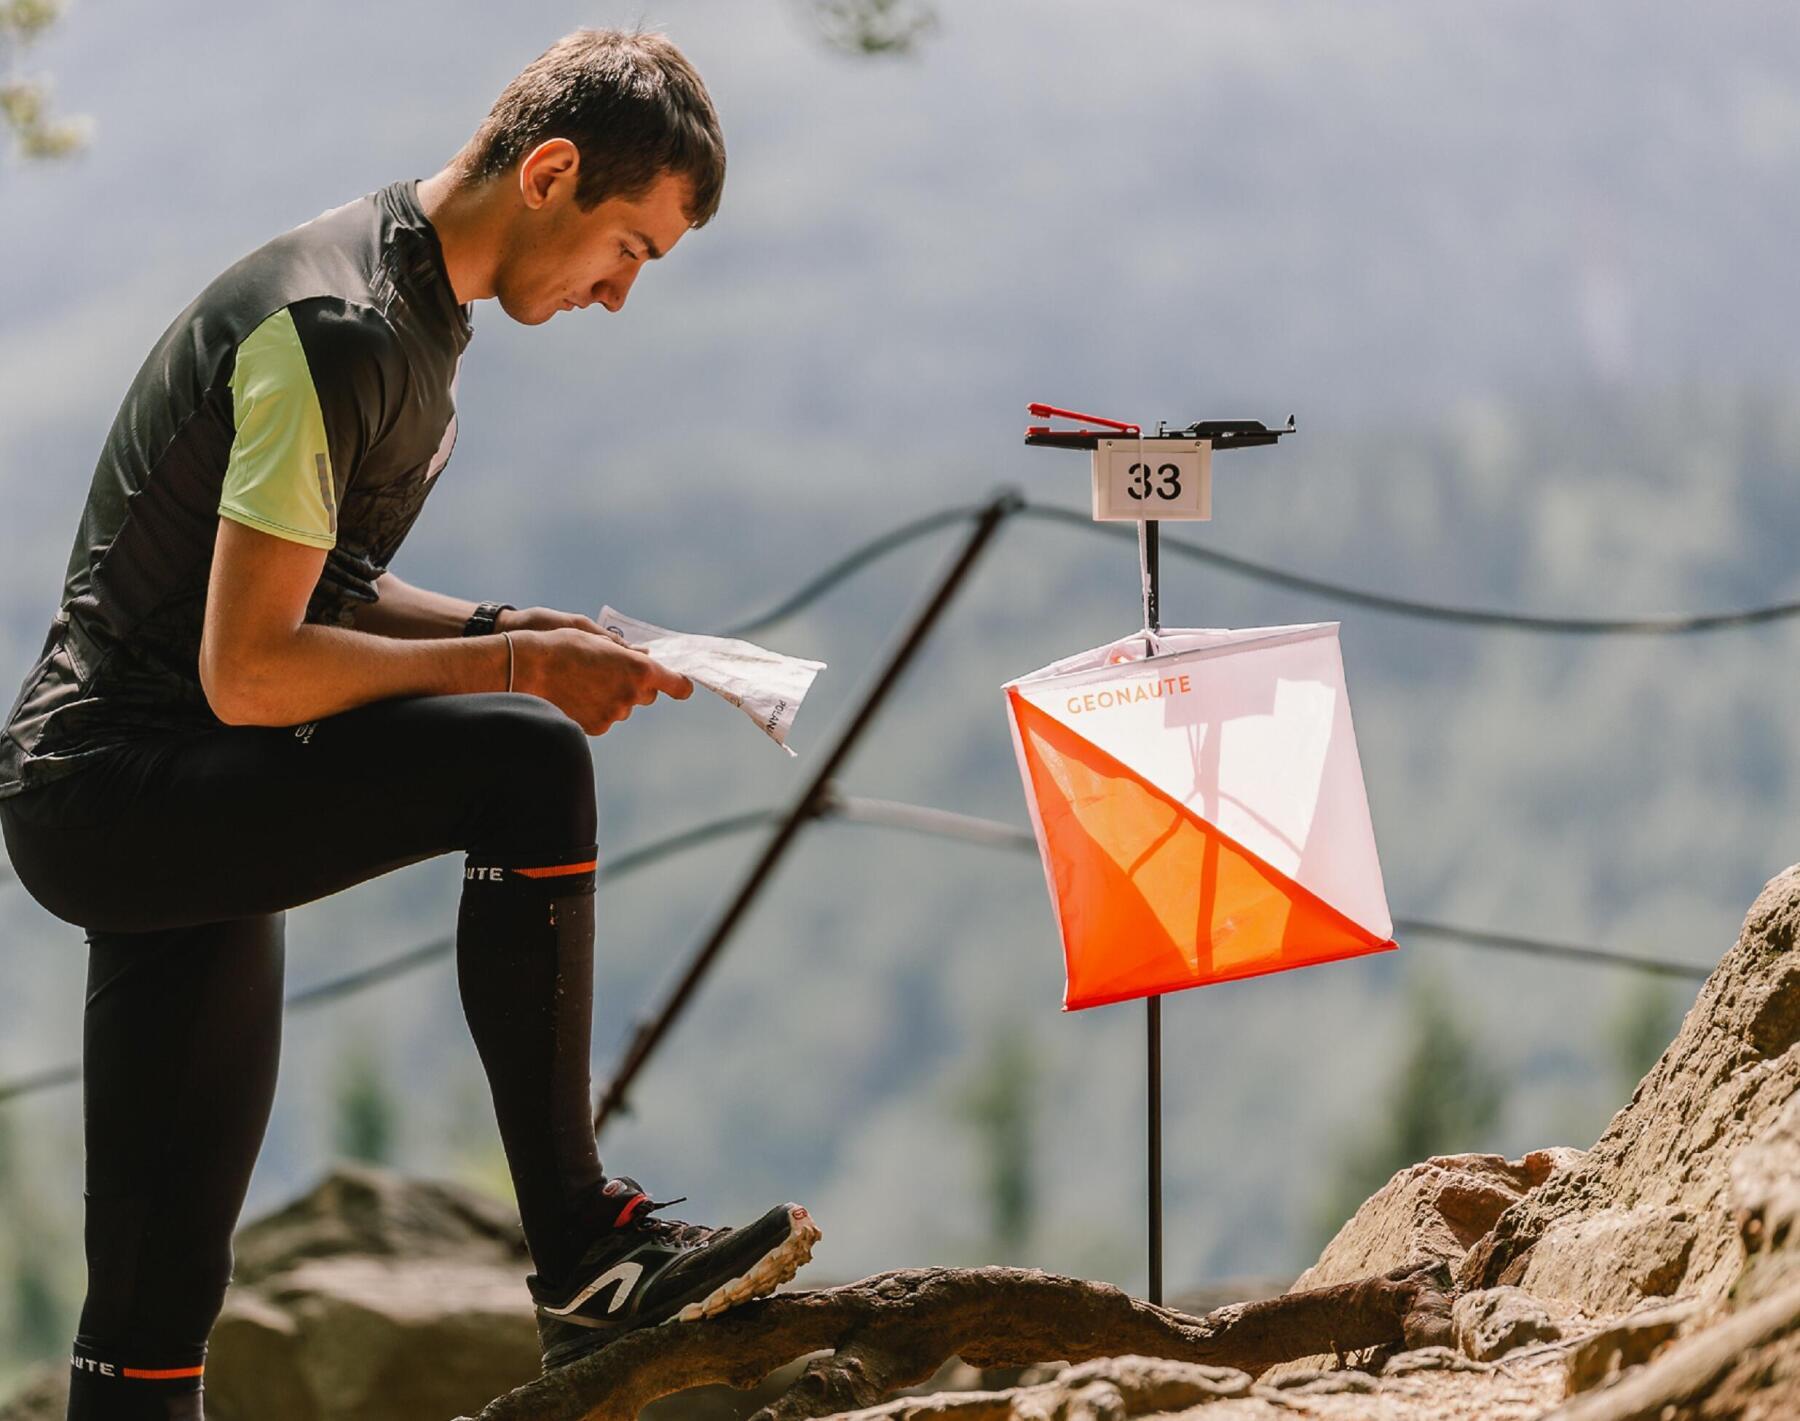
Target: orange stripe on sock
561, 870
163, 1374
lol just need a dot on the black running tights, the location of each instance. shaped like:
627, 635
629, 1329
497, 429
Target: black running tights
178, 854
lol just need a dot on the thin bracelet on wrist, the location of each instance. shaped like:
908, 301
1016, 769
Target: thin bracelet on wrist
509, 659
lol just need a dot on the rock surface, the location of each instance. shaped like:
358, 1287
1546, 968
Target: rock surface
42, 1396
1093, 1391
373, 1297
1612, 1261
1765, 1202
375, 1213
1662, 1169
1654, 1276
1495, 1321
370, 1339
1436, 1210
1625, 1344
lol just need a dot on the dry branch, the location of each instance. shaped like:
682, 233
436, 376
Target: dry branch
894, 1330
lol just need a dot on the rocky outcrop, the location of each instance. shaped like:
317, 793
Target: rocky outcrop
373, 1298
1737, 1358
1765, 1204
42, 1396
1646, 1213
370, 1339
1435, 1210
360, 1211
1108, 1390
1490, 1323
1627, 1343
1654, 1276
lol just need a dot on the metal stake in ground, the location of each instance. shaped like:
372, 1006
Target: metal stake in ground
1148, 532
1141, 479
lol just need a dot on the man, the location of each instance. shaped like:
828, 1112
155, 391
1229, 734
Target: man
238, 709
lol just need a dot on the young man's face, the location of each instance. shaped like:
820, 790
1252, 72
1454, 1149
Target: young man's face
559, 258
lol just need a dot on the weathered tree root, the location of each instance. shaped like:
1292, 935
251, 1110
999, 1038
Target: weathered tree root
895, 1329
1104, 1390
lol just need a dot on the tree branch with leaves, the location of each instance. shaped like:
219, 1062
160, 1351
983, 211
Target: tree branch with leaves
25, 99
872, 27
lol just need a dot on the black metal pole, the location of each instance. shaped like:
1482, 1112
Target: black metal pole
1153, 1041
805, 805
1148, 550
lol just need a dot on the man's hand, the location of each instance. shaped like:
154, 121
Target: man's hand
524, 619
589, 675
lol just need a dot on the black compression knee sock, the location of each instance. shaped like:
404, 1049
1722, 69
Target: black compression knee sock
525, 965
110, 1385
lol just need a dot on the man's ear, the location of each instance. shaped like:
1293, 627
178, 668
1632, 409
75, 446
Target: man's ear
555, 163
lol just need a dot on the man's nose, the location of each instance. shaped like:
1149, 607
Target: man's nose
614, 290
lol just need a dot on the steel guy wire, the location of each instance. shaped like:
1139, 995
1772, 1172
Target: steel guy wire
1676, 625
894, 539
883, 813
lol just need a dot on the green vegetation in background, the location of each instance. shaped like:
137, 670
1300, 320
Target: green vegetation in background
873, 27
998, 1103
25, 102
1443, 1099
36, 1314
1644, 1023
365, 1117
476, 1158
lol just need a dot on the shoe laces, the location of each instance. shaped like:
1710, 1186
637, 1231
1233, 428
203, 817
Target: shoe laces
675, 1231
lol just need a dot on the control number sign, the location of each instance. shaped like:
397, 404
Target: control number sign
1139, 479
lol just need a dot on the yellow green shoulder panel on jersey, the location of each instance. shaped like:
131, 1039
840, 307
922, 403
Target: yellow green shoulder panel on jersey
279, 475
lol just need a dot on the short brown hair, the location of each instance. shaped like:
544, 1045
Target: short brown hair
630, 103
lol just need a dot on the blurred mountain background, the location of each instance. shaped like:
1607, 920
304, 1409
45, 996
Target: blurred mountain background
1523, 272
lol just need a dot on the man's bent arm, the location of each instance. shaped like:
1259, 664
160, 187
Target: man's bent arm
262, 664
411, 612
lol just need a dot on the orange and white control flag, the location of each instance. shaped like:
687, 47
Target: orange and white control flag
1199, 806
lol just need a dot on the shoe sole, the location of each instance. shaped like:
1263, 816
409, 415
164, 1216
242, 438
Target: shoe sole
764, 1276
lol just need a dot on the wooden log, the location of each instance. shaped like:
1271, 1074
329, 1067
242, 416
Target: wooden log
895, 1329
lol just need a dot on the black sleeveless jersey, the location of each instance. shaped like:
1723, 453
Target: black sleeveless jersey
308, 392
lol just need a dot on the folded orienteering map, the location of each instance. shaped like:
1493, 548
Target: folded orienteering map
765, 685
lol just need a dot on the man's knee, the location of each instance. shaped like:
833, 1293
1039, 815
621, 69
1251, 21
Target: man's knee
540, 777
149, 1289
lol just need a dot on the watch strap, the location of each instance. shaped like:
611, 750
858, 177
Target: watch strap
485, 619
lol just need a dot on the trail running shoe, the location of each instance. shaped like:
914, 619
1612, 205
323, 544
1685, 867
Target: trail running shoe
643, 1271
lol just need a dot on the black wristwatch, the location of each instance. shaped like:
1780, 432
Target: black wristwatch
486, 615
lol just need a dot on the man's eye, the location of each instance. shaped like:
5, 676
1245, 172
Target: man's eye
627, 253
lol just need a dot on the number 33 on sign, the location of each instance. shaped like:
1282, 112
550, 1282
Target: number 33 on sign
1138, 479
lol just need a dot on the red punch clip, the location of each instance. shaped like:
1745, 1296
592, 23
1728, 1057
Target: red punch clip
1052, 412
